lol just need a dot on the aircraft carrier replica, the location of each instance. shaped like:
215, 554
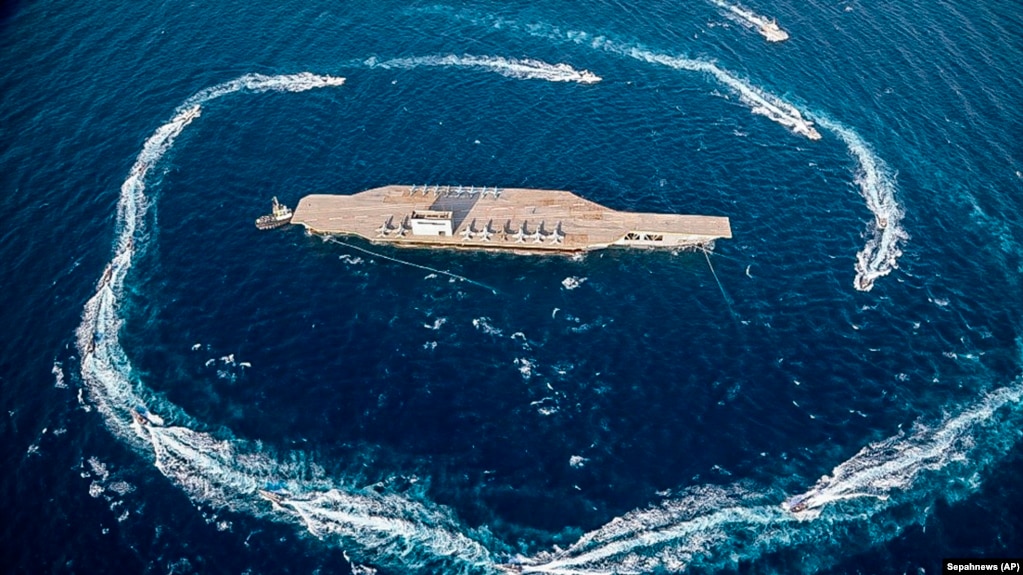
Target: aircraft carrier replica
501, 219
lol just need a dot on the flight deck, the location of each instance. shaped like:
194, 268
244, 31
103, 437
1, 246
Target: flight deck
492, 218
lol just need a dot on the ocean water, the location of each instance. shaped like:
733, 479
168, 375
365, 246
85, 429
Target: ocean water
621, 412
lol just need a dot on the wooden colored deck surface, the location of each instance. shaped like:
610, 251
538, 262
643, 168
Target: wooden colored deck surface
379, 214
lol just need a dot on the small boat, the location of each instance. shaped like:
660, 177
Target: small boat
281, 215
515, 565
107, 274
805, 128
770, 30
191, 113
795, 504
272, 496
140, 419
146, 418
863, 283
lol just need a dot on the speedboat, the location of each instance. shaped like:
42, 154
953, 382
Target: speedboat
516, 564
772, 31
272, 496
146, 418
795, 504
107, 273
863, 283
140, 419
192, 113
806, 129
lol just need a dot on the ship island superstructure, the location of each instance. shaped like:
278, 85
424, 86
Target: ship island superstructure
504, 219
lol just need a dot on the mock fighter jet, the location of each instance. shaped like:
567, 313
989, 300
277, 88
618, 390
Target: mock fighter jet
520, 236
557, 236
486, 233
385, 228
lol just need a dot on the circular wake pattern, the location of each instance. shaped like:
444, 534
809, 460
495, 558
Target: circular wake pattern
706, 526
225, 472
881, 253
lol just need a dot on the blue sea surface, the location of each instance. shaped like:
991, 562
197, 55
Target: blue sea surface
857, 343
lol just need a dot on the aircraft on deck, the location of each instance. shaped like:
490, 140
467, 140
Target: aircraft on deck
520, 236
557, 236
486, 233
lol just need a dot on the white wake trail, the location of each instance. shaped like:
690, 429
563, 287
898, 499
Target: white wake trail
881, 253
218, 472
884, 469
227, 473
523, 69
400, 532
712, 528
670, 537
382, 523
767, 27
381, 528
105, 368
256, 83
759, 101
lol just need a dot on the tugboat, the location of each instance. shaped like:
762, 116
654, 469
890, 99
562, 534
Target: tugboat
280, 216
